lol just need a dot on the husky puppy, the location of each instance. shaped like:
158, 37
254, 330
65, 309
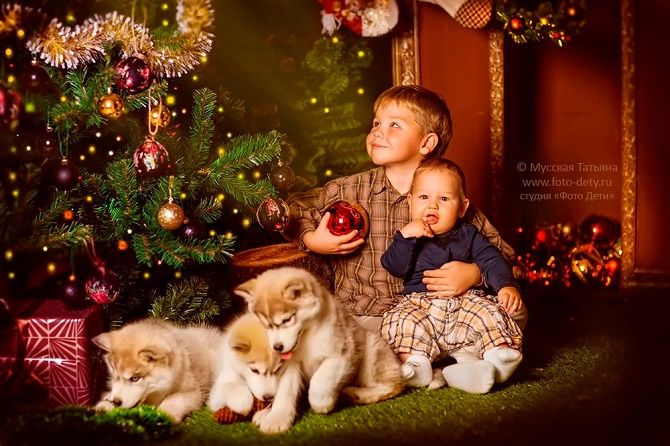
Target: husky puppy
248, 367
154, 362
308, 326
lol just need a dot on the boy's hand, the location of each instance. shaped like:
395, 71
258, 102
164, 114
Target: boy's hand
322, 241
453, 278
510, 298
417, 228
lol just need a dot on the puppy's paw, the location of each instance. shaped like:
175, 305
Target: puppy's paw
174, 411
240, 400
438, 380
321, 402
272, 422
104, 406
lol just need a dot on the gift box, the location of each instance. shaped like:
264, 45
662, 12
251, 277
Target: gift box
58, 353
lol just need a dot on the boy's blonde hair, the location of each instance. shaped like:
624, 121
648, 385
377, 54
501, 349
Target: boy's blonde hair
443, 165
430, 112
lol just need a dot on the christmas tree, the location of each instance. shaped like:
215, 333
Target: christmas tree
127, 200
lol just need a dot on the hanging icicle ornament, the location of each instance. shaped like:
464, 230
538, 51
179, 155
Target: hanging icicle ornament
72, 47
151, 158
171, 216
103, 285
110, 105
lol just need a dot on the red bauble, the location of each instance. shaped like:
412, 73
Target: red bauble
103, 286
273, 214
133, 75
152, 159
602, 231
34, 78
65, 176
517, 25
47, 144
346, 217
10, 106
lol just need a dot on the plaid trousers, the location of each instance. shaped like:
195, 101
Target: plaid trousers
424, 324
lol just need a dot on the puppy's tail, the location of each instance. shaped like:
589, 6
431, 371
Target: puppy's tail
373, 394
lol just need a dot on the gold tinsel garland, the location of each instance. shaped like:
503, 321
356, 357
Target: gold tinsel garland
66, 47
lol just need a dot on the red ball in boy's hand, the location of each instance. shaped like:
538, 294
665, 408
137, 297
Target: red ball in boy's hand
346, 217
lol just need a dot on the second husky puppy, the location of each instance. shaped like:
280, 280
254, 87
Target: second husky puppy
154, 362
309, 327
247, 367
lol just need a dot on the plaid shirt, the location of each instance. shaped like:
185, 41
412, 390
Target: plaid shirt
361, 283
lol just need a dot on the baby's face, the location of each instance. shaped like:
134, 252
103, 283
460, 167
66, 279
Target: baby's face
436, 199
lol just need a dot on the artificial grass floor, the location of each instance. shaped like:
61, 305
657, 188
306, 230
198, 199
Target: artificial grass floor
593, 373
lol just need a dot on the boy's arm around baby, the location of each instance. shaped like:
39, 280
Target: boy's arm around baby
398, 258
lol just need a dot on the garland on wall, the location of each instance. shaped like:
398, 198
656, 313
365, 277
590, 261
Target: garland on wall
559, 21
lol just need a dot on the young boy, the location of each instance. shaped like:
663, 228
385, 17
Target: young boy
423, 327
411, 123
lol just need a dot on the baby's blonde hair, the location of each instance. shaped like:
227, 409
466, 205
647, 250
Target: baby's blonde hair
443, 165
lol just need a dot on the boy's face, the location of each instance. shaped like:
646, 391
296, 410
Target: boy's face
396, 139
436, 199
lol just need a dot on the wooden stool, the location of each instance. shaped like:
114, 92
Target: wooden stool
248, 264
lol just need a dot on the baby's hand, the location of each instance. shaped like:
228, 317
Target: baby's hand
417, 228
510, 298
322, 241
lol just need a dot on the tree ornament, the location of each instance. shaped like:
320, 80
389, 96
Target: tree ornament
365, 18
586, 262
159, 116
5, 314
103, 286
346, 217
171, 216
73, 295
65, 176
110, 105
151, 158
10, 107
46, 143
516, 25
273, 214
34, 77
599, 230
133, 74
282, 177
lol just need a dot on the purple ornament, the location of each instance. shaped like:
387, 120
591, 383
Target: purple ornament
151, 159
65, 176
103, 286
10, 106
133, 75
73, 295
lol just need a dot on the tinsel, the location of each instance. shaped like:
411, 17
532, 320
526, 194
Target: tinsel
10, 17
66, 47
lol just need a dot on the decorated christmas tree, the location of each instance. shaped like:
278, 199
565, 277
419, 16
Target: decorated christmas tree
121, 200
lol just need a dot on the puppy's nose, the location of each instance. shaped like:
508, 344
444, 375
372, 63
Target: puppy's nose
278, 346
268, 397
116, 402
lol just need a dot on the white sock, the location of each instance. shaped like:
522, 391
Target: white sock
417, 370
471, 376
505, 360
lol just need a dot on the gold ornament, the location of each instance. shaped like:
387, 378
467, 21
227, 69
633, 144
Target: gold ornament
159, 116
110, 105
171, 216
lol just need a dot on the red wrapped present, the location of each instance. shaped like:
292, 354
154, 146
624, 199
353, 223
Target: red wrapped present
59, 352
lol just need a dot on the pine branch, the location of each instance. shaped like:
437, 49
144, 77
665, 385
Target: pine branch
208, 210
62, 236
124, 208
185, 303
248, 151
60, 202
202, 129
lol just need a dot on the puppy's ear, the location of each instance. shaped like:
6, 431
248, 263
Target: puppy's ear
245, 290
103, 341
154, 355
240, 344
296, 288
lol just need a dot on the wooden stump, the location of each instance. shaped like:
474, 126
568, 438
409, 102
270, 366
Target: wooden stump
248, 264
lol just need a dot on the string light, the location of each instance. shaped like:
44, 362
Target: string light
203, 58
229, 135
146, 275
9, 53
212, 232
236, 211
9, 255
246, 222
82, 157
222, 151
11, 275
328, 172
118, 138
360, 54
177, 274
110, 153
335, 39
91, 149
240, 176
63, 98
51, 267
165, 6
220, 109
360, 90
326, 110
165, 22
89, 199
29, 148
16, 193
257, 174
220, 197
20, 33
129, 231
30, 107
313, 100
12, 176
182, 195
229, 235
68, 214
122, 245
11, 79
98, 134
170, 99
45, 248
195, 78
